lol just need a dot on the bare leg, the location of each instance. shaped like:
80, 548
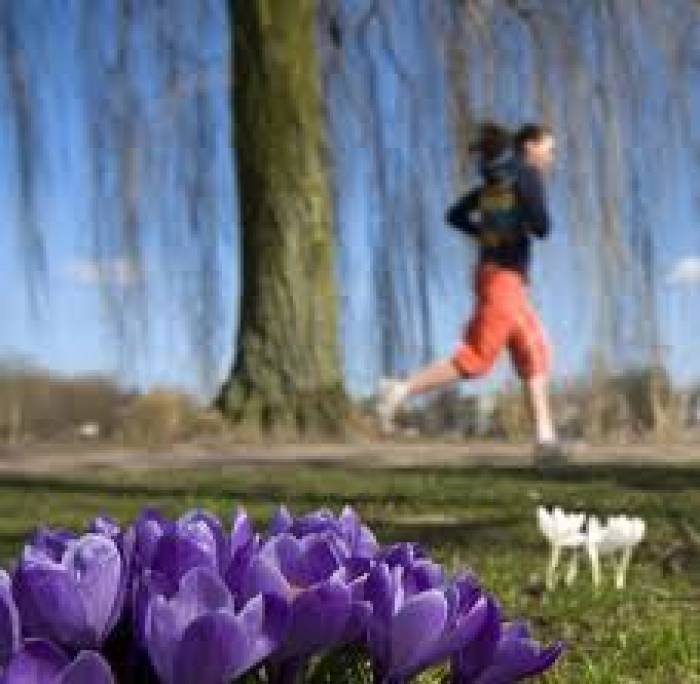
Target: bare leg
392, 393
438, 374
536, 391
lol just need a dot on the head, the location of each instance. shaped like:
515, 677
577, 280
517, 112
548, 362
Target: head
492, 141
535, 144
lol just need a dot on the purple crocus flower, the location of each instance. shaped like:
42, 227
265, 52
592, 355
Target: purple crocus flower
165, 551
358, 540
468, 662
410, 631
207, 530
419, 571
243, 545
287, 566
307, 575
107, 526
74, 600
146, 532
361, 540
502, 654
196, 539
9, 621
242, 531
197, 637
148, 528
281, 522
40, 662
51, 542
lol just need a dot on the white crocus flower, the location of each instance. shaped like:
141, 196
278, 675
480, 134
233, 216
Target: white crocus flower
623, 535
595, 535
563, 531
618, 539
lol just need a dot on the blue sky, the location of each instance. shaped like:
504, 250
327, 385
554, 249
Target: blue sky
658, 116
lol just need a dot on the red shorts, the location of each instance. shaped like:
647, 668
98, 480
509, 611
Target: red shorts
504, 317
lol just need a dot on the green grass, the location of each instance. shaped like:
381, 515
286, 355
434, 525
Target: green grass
482, 519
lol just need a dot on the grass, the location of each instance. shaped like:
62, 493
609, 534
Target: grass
478, 518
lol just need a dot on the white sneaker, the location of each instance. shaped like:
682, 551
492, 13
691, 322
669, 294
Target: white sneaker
391, 392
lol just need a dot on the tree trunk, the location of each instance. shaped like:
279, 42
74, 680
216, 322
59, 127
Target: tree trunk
286, 372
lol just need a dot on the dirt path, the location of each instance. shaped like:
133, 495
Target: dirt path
62, 458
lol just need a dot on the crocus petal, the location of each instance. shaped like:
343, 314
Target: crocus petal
176, 555
317, 522
214, 649
162, 632
318, 619
242, 532
266, 621
208, 533
149, 527
322, 558
127, 548
201, 591
106, 526
357, 569
363, 543
416, 629
264, 577
238, 567
50, 605
422, 575
9, 621
472, 660
303, 562
285, 552
379, 591
281, 522
404, 554
517, 659
95, 564
88, 668
49, 543
465, 630
37, 662
358, 621
145, 586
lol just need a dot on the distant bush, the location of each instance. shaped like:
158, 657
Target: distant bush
34, 404
163, 417
38, 406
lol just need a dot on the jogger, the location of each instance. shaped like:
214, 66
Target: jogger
502, 215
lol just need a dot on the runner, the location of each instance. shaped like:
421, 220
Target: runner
502, 214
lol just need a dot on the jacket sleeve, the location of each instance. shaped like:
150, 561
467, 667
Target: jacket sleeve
463, 215
534, 201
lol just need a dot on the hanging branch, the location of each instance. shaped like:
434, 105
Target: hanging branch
23, 109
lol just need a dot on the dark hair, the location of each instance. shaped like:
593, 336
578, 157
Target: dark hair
492, 140
530, 132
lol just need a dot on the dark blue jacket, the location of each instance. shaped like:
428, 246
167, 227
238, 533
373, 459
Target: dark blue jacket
504, 212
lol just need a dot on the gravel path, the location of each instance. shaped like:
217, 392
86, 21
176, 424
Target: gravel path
63, 458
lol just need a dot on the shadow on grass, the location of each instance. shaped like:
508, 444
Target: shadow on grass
459, 533
651, 478
268, 493
281, 486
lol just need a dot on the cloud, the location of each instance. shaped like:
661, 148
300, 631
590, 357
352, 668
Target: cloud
121, 271
686, 272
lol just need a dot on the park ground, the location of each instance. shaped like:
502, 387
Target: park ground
471, 507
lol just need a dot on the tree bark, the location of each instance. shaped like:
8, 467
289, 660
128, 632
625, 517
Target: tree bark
286, 373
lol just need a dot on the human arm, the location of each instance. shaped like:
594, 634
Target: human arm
464, 214
533, 199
